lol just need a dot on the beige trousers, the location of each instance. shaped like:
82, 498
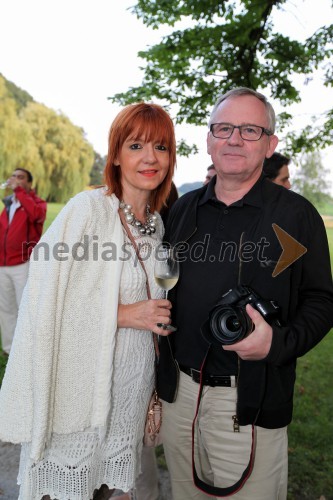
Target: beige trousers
221, 454
12, 283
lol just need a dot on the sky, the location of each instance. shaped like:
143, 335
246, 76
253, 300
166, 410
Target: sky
71, 55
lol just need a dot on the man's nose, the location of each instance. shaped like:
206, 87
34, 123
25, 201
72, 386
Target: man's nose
235, 137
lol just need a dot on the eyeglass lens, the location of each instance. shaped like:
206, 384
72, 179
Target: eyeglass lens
247, 132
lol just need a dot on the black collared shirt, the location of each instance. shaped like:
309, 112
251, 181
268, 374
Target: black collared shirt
213, 257
303, 289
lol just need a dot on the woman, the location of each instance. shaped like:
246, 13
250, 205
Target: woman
81, 371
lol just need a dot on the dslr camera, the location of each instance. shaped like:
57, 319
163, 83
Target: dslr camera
228, 321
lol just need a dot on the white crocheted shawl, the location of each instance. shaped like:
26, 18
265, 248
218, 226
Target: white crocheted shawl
58, 377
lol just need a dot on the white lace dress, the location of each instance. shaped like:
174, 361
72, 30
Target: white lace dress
74, 465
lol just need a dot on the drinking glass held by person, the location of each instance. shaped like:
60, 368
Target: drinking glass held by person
81, 373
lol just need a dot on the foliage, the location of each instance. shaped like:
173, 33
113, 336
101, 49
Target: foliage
329, 231
184, 149
96, 173
3, 363
309, 179
310, 433
43, 141
21, 97
326, 208
52, 211
227, 44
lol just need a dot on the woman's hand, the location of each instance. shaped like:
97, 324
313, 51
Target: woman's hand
145, 315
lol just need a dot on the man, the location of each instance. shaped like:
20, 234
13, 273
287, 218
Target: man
276, 169
21, 225
226, 236
210, 173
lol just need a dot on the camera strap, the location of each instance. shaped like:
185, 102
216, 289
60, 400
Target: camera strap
199, 483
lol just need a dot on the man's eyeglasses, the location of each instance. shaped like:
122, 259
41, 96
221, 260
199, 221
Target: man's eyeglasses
247, 132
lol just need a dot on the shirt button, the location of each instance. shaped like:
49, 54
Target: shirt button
225, 212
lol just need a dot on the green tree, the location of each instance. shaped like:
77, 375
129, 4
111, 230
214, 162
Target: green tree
64, 156
310, 181
96, 173
20, 96
45, 142
228, 44
15, 135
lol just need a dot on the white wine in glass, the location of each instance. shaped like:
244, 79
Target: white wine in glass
166, 283
166, 272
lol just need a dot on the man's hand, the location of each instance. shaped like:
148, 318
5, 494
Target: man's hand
145, 315
255, 346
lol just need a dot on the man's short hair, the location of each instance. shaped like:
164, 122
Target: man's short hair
240, 91
29, 174
272, 165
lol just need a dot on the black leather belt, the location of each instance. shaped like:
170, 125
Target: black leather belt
211, 380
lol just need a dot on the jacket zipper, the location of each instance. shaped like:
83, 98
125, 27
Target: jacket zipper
4, 247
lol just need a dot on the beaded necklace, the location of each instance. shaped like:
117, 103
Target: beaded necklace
148, 227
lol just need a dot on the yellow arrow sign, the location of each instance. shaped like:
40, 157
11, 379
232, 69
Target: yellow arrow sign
291, 250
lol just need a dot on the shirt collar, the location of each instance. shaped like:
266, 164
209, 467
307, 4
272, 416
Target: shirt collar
253, 197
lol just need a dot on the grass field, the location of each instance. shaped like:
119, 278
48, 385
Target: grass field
311, 432
326, 208
52, 211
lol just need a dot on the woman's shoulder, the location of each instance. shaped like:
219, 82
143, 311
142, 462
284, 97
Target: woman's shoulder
94, 199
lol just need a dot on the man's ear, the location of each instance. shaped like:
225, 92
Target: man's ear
273, 142
208, 140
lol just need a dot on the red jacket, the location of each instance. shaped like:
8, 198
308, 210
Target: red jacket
18, 238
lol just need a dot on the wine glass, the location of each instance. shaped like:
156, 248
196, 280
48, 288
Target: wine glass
3, 184
166, 273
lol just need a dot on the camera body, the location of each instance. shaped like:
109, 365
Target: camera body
228, 321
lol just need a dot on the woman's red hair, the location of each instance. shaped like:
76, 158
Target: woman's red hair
142, 120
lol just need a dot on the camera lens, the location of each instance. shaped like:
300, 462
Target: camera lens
229, 324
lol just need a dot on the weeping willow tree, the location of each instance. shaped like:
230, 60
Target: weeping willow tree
45, 142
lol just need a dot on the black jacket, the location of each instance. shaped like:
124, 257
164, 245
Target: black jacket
304, 292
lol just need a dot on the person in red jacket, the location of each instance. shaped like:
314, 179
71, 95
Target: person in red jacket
21, 226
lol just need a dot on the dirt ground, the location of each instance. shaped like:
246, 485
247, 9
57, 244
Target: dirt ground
9, 462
